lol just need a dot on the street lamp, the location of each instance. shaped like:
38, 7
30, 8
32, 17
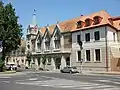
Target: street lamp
81, 47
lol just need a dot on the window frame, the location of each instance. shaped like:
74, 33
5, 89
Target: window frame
87, 54
87, 22
96, 20
97, 36
99, 55
78, 57
87, 40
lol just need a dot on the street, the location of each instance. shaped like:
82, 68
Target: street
30, 80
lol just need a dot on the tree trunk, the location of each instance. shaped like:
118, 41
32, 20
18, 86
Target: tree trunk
3, 57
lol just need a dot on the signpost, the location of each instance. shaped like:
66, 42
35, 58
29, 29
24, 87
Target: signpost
81, 60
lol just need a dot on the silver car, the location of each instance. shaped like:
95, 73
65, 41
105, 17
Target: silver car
69, 70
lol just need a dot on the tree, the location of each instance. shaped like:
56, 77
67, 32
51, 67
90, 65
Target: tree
10, 29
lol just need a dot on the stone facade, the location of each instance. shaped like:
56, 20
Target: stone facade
18, 57
56, 46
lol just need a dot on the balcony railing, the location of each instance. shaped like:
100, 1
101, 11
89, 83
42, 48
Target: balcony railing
54, 50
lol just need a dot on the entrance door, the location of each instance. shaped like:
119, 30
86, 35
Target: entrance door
58, 63
68, 61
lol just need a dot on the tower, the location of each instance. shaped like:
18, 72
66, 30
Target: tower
32, 31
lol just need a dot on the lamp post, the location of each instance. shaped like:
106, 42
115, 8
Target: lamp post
81, 60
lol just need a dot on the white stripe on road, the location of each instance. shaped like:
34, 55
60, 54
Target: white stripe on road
63, 83
110, 81
6, 81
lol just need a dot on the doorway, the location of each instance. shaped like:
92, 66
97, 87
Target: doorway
57, 63
68, 61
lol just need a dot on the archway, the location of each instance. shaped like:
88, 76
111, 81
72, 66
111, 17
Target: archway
68, 61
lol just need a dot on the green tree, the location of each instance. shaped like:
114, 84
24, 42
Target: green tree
10, 30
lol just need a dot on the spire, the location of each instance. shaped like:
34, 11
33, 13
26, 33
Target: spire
34, 17
9, 1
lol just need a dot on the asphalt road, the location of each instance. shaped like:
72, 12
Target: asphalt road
30, 80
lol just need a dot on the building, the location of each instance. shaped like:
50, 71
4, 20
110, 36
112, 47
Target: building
56, 46
18, 57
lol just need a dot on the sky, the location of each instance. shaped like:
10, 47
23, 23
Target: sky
51, 11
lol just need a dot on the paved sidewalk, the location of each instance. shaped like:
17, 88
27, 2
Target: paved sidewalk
11, 74
86, 73
98, 73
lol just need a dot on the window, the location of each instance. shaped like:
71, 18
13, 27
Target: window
39, 46
87, 21
87, 37
114, 37
28, 46
79, 55
97, 35
87, 55
96, 20
78, 38
22, 61
57, 42
97, 54
14, 60
47, 43
79, 24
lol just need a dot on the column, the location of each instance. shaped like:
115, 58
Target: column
53, 63
36, 63
63, 62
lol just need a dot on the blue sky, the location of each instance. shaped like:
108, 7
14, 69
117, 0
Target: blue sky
51, 11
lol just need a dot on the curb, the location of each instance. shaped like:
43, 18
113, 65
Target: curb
107, 73
8, 72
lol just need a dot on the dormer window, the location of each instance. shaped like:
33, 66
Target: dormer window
39, 44
57, 41
47, 43
96, 20
87, 22
79, 24
110, 20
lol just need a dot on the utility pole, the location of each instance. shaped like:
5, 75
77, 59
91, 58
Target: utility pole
81, 47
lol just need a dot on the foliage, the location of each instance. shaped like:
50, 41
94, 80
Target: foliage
10, 30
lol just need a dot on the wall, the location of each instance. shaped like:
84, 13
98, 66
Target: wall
92, 45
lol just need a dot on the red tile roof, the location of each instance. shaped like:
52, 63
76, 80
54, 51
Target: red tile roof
71, 25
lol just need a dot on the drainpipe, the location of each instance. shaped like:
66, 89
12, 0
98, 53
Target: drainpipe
106, 49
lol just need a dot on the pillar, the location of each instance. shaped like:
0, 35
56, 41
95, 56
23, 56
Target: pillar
53, 63
63, 62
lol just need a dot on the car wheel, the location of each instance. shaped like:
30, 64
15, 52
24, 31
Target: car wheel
70, 72
61, 71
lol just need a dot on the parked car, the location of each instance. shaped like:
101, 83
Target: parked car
69, 70
11, 67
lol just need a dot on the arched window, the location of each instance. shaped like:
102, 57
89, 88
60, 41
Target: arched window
87, 22
97, 19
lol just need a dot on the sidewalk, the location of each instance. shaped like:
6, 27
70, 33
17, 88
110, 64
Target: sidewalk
98, 73
10, 73
86, 73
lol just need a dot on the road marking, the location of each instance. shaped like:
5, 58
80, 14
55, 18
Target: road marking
64, 83
6, 81
32, 79
4, 77
110, 81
